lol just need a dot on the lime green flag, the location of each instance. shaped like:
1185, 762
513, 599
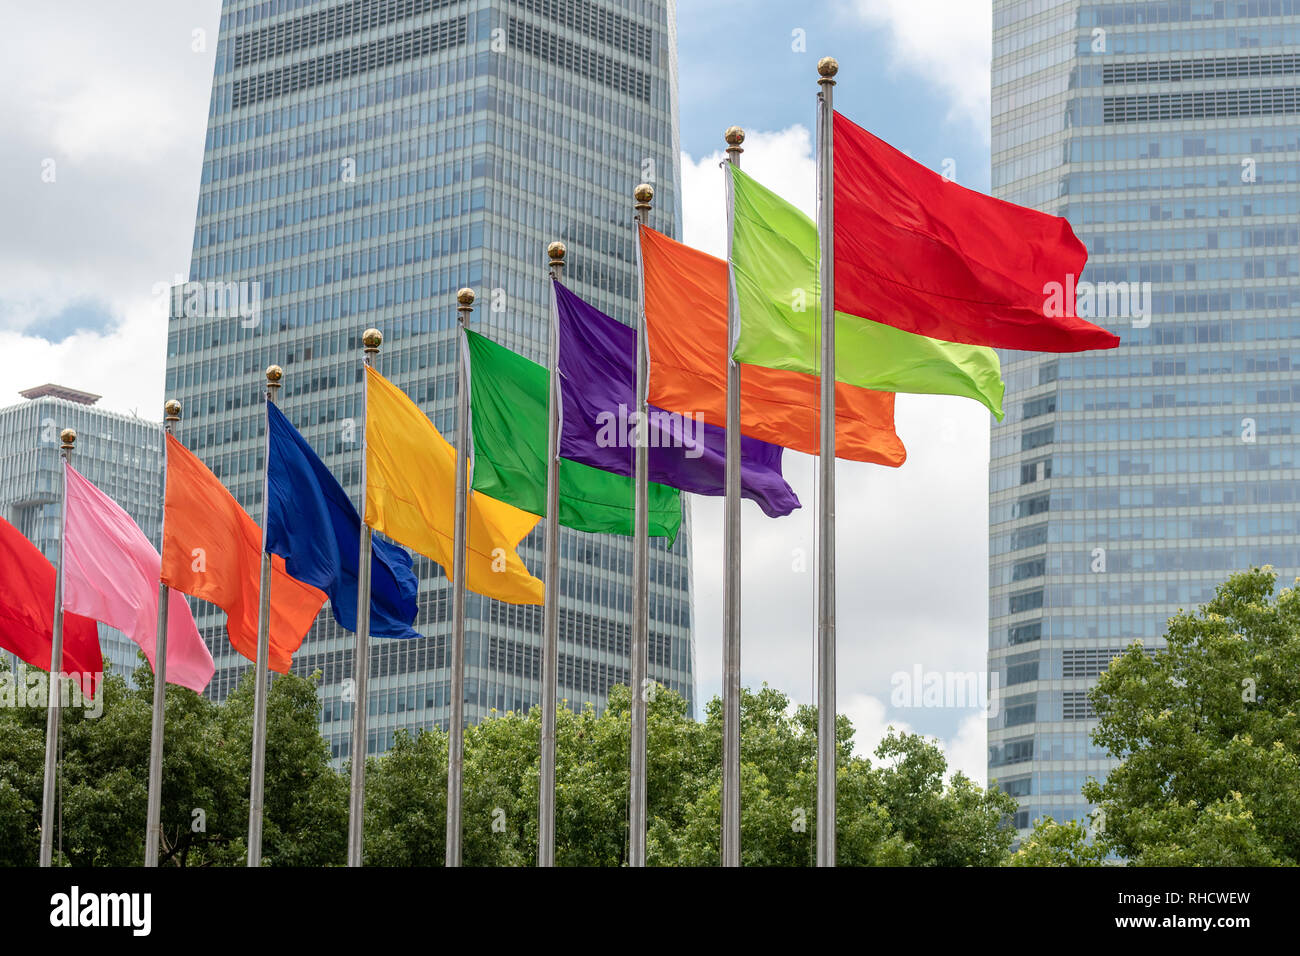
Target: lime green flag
774, 259
507, 401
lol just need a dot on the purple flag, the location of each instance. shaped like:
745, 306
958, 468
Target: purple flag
598, 422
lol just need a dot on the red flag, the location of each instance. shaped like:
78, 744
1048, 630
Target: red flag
27, 614
918, 252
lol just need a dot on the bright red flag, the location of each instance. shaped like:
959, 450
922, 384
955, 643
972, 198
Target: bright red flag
923, 254
27, 614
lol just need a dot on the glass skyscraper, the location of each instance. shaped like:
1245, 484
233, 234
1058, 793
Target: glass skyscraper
364, 159
119, 454
1125, 485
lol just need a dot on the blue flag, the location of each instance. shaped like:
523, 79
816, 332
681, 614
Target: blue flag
312, 524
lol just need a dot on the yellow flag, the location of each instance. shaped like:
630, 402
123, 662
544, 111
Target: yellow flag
411, 497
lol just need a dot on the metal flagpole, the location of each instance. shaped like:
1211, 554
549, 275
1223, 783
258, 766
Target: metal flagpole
731, 562
153, 823
255, 798
827, 67
456, 725
644, 195
371, 339
551, 612
54, 702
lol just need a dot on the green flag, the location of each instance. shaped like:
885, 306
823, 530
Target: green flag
774, 259
507, 401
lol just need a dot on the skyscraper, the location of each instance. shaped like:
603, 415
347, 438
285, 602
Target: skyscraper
1125, 485
120, 454
364, 159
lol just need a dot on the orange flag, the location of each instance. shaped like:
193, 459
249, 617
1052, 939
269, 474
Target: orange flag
686, 323
212, 550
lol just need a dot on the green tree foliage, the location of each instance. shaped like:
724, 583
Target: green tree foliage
899, 812
1058, 844
206, 762
1208, 731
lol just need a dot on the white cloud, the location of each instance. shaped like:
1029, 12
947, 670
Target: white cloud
871, 722
872, 719
782, 161
125, 365
912, 542
946, 43
120, 113
968, 751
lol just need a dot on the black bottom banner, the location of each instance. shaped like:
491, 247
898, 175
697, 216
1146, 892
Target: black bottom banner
181, 906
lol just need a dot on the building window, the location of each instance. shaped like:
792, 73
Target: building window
1024, 633
1026, 601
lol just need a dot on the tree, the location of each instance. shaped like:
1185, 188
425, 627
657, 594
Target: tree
1058, 844
901, 812
1208, 732
406, 788
22, 757
406, 802
958, 824
206, 758
306, 801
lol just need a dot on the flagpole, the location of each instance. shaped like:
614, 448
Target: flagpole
153, 824
827, 67
731, 557
644, 195
256, 788
371, 339
456, 723
53, 704
551, 612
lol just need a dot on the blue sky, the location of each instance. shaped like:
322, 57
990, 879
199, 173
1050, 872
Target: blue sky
738, 65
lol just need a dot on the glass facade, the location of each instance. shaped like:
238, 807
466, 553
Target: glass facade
364, 159
1125, 485
119, 454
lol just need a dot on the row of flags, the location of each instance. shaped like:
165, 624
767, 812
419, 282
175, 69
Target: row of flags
597, 373
688, 366
212, 550
774, 250
931, 277
411, 485
508, 418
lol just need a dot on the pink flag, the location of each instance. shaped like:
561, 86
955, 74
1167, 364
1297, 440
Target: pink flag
110, 574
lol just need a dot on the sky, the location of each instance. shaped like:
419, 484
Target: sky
101, 143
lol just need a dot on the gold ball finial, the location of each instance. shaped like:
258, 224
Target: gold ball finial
68, 436
644, 193
465, 297
828, 66
734, 135
273, 374
172, 410
372, 339
555, 251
